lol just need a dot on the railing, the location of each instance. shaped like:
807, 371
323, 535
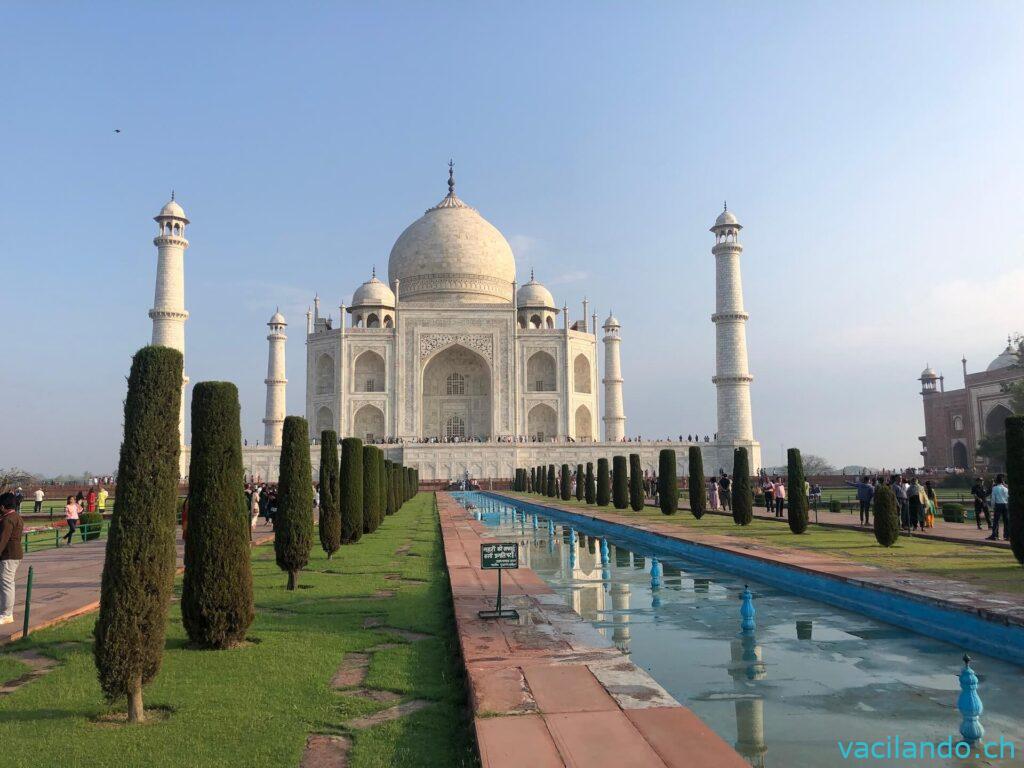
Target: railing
52, 538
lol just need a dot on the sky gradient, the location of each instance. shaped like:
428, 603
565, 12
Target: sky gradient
871, 150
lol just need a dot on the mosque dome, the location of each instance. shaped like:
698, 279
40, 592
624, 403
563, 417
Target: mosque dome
533, 294
373, 293
1007, 358
611, 322
452, 254
172, 209
929, 373
727, 219
277, 319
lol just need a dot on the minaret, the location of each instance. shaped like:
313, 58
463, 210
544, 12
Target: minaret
168, 313
732, 377
614, 418
275, 381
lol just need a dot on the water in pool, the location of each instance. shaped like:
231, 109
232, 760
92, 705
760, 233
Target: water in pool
784, 694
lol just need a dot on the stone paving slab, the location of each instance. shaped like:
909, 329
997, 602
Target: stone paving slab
549, 689
1002, 608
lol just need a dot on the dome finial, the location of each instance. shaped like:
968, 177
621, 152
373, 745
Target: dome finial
172, 194
531, 274
373, 272
725, 206
451, 177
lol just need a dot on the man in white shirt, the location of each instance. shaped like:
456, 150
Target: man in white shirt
1001, 508
39, 501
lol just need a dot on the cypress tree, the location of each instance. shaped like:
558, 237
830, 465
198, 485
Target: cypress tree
351, 490
579, 482
887, 516
410, 488
742, 495
382, 488
698, 490
636, 483
604, 487
566, 483
396, 487
371, 493
216, 598
590, 492
293, 523
389, 487
620, 482
542, 475
1015, 481
138, 568
668, 483
533, 479
330, 503
796, 501
552, 490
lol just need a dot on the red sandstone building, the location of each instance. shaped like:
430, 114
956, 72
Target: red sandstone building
955, 421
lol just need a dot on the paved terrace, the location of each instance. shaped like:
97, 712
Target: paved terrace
993, 606
549, 690
66, 582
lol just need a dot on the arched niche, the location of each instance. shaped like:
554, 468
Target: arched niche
369, 373
581, 374
583, 423
456, 382
324, 375
368, 424
542, 422
540, 373
324, 420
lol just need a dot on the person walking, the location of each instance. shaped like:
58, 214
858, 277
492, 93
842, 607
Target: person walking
980, 503
779, 492
713, 494
39, 496
71, 511
768, 491
254, 507
101, 500
915, 504
865, 493
90, 501
18, 498
725, 491
11, 530
932, 505
1000, 508
900, 491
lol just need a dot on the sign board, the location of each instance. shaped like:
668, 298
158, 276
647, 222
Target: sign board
498, 554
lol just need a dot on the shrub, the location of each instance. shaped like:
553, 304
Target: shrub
216, 595
796, 500
330, 501
835, 505
697, 488
293, 522
590, 491
636, 483
351, 490
886, 516
90, 525
542, 480
533, 480
953, 513
604, 488
1015, 481
566, 484
552, 489
371, 493
742, 496
668, 483
620, 482
389, 486
382, 488
579, 482
138, 568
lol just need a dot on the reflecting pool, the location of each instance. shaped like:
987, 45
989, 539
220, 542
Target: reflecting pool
784, 693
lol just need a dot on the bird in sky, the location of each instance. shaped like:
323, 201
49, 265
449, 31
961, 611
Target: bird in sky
117, 130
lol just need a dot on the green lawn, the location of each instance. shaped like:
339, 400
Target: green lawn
987, 568
254, 706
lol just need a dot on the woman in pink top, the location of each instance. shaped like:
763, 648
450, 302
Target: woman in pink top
780, 496
71, 510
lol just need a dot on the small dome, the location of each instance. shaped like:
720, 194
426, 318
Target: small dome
1007, 358
277, 319
373, 293
172, 209
611, 322
533, 294
727, 219
929, 373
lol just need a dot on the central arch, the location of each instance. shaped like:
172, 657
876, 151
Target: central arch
995, 422
456, 395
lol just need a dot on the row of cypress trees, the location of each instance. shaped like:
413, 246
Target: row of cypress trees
217, 592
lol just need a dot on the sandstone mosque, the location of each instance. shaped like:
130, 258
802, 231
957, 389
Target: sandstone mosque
457, 370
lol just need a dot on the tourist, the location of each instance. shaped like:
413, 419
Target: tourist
101, 500
768, 491
915, 504
933, 505
980, 495
713, 494
1000, 509
724, 486
865, 493
71, 511
11, 531
18, 498
90, 500
779, 492
900, 491
39, 501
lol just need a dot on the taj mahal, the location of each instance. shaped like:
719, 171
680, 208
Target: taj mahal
456, 369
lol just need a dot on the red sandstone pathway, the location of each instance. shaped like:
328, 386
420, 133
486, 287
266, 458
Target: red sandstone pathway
550, 690
66, 583
992, 606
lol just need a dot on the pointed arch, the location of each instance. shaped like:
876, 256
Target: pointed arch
325, 374
368, 424
584, 422
540, 373
542, 422
581, 374
369, 373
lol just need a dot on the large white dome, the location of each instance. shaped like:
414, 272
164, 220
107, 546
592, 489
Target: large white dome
453, 255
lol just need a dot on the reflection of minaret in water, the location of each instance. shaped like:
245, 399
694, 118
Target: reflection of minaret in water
620, 617
746, 667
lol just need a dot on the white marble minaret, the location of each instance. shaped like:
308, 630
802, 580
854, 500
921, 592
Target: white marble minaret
275, 381
614, 418
732, 377
168, 312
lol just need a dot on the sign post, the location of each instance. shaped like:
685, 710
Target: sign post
497, 556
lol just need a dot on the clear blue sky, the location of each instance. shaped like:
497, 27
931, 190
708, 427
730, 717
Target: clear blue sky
872, 150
